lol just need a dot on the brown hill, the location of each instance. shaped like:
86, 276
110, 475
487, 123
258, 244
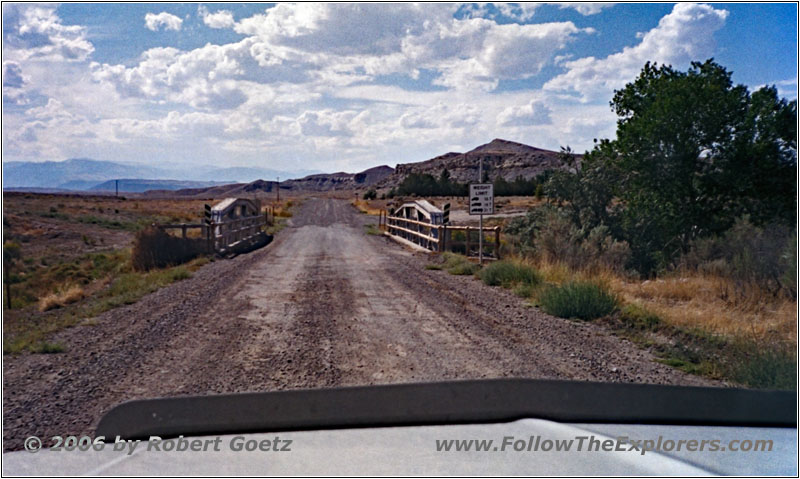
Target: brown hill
500, 157
339, 181
320, 182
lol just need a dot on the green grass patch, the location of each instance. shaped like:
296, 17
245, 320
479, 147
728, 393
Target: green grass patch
640, 319
278, 225
455, 264
526, 290
509, 274
464, 269
373, 230
578, 299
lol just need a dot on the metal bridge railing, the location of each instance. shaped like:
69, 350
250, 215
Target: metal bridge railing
221, 236
440, 238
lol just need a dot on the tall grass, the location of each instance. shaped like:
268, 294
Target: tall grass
578, 299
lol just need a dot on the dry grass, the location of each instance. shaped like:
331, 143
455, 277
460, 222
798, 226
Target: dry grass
368, 207
699, 301
61, 298
705, 302
282, 209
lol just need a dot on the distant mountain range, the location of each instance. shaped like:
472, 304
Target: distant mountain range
503, 158
317, 183
88, 174
140, 186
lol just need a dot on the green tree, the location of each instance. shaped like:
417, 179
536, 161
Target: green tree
585, 189
695, 152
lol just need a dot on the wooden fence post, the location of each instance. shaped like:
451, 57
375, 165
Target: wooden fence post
497, 242
466, 248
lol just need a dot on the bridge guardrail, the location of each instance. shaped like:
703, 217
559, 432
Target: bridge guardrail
221, 236
439, 238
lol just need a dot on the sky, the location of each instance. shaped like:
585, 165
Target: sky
344, 87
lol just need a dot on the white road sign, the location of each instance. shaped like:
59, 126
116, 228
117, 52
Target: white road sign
481, 199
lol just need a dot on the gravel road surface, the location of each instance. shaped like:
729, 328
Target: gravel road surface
324, 305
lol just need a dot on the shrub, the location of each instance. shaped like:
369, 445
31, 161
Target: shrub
508, 274
550, 234
370, 194
578, 299
748, 256
153, 248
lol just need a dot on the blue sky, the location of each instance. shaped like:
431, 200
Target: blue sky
348, 86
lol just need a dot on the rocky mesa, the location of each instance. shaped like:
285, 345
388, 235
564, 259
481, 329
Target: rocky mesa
500, 158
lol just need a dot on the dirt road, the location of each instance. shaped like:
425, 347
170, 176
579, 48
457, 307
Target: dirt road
324, 305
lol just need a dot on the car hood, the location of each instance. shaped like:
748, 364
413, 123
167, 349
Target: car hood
413, 451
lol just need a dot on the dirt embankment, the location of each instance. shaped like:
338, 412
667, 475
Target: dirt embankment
324, 305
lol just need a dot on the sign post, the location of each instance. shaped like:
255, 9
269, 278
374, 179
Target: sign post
481, 201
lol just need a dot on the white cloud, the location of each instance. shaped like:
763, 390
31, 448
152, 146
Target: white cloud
477, 53
523, 12
587, 8
534, 113
306, 81
218, 19
167, 21
333, 28
34, 31
684, 35
326, 123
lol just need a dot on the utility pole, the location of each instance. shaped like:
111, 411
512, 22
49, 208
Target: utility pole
480, 221
279, 189
116, 187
